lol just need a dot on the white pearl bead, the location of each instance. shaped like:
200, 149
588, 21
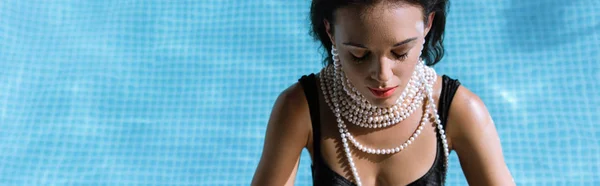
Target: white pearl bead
338, 90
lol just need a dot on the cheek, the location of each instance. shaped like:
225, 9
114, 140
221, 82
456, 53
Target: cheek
355, 72
406, 70
402, 73
351, 69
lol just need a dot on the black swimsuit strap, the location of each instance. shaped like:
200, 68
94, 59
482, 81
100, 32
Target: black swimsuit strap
312, 97
449, 88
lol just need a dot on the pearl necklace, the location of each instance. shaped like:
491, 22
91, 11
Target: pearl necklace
331, 87
357, 110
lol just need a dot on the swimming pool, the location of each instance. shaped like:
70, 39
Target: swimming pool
179, 93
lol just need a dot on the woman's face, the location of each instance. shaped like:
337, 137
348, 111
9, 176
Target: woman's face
379, 47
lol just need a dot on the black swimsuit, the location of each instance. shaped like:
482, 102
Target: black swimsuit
323, 175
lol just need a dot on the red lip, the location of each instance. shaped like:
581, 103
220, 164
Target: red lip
382, 93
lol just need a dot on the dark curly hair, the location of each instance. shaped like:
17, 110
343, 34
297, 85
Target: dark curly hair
434, 49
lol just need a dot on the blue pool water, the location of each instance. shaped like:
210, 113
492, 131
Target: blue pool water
148, 92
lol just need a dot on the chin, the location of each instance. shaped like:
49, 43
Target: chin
383, 102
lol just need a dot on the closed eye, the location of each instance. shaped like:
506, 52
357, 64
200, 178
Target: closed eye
359, 59
401, 57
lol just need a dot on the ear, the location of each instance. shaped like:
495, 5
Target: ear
429, 23
328, 30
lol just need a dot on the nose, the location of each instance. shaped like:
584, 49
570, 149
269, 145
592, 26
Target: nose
382, 70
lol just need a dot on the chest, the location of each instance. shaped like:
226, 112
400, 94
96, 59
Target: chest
401, 168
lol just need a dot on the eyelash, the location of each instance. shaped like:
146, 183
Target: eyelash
401, 57
361, 59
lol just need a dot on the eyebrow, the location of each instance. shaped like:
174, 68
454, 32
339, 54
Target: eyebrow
395, 45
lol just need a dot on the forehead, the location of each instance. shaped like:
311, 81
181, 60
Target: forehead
379, 22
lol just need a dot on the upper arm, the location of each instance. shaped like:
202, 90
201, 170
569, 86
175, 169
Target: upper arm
476, 141
287, 134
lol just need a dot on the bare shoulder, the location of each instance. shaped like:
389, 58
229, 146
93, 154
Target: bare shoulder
292, 106
291, 109
476, 141
292, 99
468, 115
287, 134
290, 115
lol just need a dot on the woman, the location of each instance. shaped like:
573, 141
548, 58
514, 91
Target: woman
378, 114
